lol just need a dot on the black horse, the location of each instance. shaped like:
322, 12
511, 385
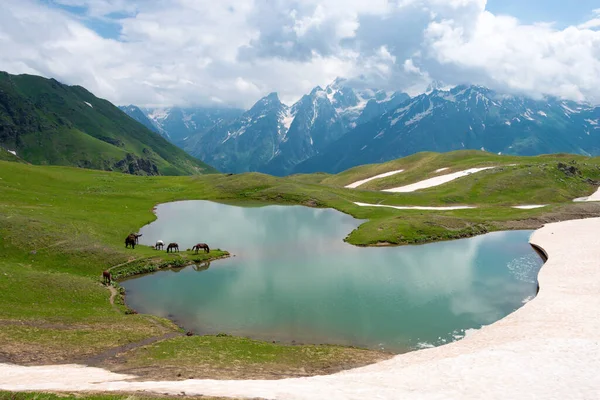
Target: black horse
130, 241
173, 246
201, 246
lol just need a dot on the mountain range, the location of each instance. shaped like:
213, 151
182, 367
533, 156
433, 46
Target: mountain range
272, 137
465, 117
339, 127
43, 121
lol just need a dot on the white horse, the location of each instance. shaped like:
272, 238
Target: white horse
159, 244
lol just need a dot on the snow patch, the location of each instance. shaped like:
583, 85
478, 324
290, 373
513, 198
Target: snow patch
420, 116
530, 207
543, 114
380, 134
593, 197
14, 153
286, 119
88, 104
527, 115
362, 182
159, 114
438, 180
592, 121
441, 169
416, 207
568, 109
508, 123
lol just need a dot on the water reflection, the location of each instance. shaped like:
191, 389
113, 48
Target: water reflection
293, 278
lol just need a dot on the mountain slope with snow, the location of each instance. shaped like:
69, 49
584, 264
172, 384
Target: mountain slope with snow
273, 138
465, 117
181, 125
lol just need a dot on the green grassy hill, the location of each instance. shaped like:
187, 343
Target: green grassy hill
61, 226
48, 123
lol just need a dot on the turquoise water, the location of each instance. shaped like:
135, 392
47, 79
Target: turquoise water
294, 279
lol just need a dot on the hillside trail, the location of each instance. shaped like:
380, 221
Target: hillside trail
112, 353
126, 262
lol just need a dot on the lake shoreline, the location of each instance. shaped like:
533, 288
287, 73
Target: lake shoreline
557, 360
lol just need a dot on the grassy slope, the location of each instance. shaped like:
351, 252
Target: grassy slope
60, 227
55, 126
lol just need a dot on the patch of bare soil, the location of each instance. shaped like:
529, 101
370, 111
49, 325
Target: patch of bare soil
570, 212
241, 370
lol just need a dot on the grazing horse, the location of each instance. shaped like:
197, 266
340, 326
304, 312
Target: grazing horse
130, 241
201, 246
173, 246
159, 245
106, 276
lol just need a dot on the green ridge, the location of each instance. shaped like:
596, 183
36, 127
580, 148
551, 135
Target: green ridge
49, 123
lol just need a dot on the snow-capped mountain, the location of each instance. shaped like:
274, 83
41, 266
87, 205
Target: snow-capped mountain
250, 141
350, 103
465, 117
338, 127
136, 113
181, 124
315, 124
272, 137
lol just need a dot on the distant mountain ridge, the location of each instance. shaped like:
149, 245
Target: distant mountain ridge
337, 127
465, 117
272, 137
46, 122
181, 124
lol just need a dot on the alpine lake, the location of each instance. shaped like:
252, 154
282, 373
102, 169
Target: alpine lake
293, 279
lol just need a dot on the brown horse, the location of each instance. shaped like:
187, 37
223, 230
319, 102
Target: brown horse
106, 275
137, 236
173, 246
201, 246
130, 241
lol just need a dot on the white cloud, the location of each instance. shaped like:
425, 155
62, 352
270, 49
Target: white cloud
195, 51
594, 23
535, 59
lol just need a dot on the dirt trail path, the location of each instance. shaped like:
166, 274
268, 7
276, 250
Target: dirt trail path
127, 262
101, 358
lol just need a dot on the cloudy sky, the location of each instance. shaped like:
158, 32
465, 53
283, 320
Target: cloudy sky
232, 52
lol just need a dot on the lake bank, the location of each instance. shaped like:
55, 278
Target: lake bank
294, 280
552, 340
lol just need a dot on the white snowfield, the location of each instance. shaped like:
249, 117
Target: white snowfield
360, 183
548, 349
449, 208
436, 181
416, 207
593, 197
